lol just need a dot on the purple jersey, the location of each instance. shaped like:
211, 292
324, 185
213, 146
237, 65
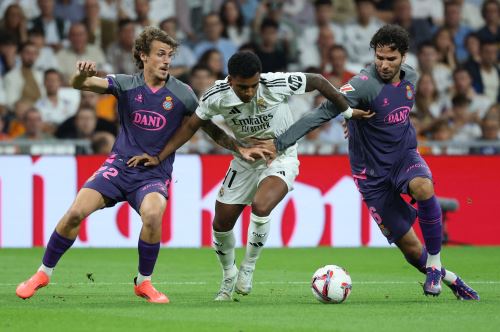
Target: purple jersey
148, 119
378, 143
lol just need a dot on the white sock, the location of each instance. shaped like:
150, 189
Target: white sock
48, 270
258, 232
434, 260
223, 243
141, 278
449, 277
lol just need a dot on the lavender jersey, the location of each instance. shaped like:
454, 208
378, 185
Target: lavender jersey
148, 119
378, 143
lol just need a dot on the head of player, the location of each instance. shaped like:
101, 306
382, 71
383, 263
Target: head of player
390, 43
244, 70
153, 52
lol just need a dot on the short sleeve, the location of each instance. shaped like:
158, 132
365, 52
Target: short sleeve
361, 90
285, 83
205, 111
117, 84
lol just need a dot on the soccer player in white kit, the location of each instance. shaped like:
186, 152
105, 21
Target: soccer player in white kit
254, 105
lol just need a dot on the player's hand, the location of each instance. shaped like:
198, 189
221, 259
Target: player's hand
144, 159
266, 144
86, 68
253, 153
358, 114
346, 130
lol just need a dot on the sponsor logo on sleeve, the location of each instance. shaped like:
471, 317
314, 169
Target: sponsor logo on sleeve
344, 89
294, 82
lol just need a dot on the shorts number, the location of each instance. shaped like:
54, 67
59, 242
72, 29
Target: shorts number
375, 215
231, 179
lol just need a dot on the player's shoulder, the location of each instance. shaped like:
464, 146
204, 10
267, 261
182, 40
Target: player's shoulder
181, 89
127, 82
216, 92
365, 80
277, 81
410, 74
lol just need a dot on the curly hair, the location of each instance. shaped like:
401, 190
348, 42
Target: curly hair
393, 36
143, 43
244, 64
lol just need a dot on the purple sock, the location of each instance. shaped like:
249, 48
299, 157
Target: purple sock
420, 263
148, 253
429, 217
56, 247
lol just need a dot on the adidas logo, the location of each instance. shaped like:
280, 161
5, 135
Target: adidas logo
234, 110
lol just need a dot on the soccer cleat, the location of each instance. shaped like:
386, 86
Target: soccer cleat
147, 291
226, 288
27, 289
244, 281
461, 290
432, 285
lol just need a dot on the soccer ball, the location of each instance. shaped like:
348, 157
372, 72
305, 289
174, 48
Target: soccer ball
331, 284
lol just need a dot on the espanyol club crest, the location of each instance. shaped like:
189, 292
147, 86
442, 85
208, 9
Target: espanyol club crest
168, 104
409, 92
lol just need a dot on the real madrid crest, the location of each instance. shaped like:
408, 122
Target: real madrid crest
261, 104
221, 192
409, 92
168, 103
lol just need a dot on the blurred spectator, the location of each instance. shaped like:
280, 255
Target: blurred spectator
83, 125
14, 24
29, 7
462, 85
420, 30
441, 132
105, 107
8, 54
472, 44
71, 10
234, 23
486, 74
200, 79
359, 33
102, 142
184, 57
430, 10
24, 82
463, 121
490, 128
212, 27
343, 11
59, 103
212, 59
248, 9
79, 49
3, 135
471, 15
102, 32
271, 53
288, 31
428, 104
427, 63
142, 20
491, 14
452, 17
46, 56
55, 29
16, 123
317, 54
421, 134
119, 54
446, 48
116, 10
337, 73
33, 125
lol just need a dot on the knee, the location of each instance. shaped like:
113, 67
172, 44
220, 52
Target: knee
152, 218
421, 189
222, 226
75, 215
261, 209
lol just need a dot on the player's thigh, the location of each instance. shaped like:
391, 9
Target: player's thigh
152, 207
86, 202
271, 190
239, 184
414, 177
226, 216
392, 214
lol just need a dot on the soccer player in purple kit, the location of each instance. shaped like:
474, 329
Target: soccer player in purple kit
384, 160
151, 106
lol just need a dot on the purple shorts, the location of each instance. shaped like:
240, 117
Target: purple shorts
392, 213
118, 182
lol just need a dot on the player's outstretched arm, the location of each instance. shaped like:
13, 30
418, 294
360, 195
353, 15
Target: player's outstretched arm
321, 84
181, 136
226, 141
84, 78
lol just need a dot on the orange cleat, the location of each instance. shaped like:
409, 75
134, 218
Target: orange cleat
27, 289
147, 291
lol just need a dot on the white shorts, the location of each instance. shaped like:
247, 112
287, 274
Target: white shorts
241, 182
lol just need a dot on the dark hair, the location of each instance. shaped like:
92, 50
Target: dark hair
460, 100
240, 22
52, 71
244, 64
200, 67
143, 43
459, 69
485, 5
269, 23
425, 44
393, 36
124, 22
318, 3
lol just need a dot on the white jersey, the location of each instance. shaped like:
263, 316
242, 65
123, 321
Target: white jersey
266, 116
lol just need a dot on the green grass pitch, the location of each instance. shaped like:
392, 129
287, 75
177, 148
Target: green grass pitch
386, 294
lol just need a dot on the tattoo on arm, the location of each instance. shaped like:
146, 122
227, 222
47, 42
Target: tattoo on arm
220, 136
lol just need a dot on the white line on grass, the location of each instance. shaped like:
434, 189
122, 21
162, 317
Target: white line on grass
483, 282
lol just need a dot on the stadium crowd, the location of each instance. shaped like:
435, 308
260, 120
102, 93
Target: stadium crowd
454, 46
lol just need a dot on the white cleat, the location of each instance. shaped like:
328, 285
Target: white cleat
244, 282
226, 288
